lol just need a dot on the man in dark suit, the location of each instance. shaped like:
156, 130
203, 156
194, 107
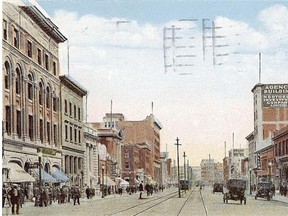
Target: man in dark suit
14, 198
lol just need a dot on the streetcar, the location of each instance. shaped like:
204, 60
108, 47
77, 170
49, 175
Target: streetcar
185, 184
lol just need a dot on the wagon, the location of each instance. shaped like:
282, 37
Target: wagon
236, 188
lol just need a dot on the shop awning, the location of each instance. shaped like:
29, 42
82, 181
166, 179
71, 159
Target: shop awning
59, 175
17, 174
108, 181
46, 178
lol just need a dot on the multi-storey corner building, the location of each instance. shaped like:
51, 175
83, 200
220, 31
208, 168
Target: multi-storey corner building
270, 115
145, 135
73, 149
270, 111
31, 87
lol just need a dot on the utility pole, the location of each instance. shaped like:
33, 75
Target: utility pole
184, 172
177, 144
188, 174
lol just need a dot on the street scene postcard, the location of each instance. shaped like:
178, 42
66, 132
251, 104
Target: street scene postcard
144, 107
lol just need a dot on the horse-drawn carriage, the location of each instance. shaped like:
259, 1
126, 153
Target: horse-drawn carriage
236, 192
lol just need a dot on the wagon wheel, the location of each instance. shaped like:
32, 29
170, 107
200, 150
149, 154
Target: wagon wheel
223, 200
256, 197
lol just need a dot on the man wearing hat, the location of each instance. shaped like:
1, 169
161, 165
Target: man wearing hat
14, 198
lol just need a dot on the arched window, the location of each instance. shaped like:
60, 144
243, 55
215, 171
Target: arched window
40, 93
18, 81
30, 87
7, 74
47, 97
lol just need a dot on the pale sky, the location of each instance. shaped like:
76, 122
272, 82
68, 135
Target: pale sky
125, 63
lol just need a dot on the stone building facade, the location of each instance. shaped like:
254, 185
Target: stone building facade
91, 158
73, 145
30, 87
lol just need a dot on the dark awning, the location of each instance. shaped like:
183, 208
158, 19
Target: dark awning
46, 178
59, 175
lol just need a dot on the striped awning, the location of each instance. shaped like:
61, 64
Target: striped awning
46, 178
59, 175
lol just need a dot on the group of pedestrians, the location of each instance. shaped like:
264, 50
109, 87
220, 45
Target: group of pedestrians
12, 195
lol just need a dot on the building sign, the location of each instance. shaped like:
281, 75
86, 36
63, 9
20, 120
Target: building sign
275, 95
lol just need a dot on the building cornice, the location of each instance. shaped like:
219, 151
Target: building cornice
44, 23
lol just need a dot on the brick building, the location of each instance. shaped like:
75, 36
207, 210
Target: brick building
144, 135
280, 140
270, 115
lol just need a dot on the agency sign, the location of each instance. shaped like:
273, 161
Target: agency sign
275, 95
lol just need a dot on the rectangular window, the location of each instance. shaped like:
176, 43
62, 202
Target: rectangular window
16, 38
39, 56
5, 29
29, 49
79, 136
6, 81
70, 109
54, 68
275, 150
71, 134
8, 119
54, 104
48, 132
66, 132
79, 114
17, 84
46, 62
75, 135
18, 119
127, 165
65, 106
30, 91
75, 112
41, 131
55, 134
31, 127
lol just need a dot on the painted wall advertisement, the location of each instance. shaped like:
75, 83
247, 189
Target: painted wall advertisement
275, 95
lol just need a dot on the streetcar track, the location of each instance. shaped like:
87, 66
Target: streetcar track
206, 211
190, 195
149, 201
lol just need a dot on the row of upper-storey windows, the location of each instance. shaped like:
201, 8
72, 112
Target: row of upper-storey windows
32, 49
45, 96
281, 148
72, 136
74, 111
50, 131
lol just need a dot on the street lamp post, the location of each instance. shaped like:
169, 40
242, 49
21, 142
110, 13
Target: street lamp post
269, 166
184, 172
177, 144
250, 171
129, 182
39, 151
103, 181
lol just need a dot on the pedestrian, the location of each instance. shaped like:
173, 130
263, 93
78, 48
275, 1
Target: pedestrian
14, 199
76, 195
4, 195
141, 189
88, 192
